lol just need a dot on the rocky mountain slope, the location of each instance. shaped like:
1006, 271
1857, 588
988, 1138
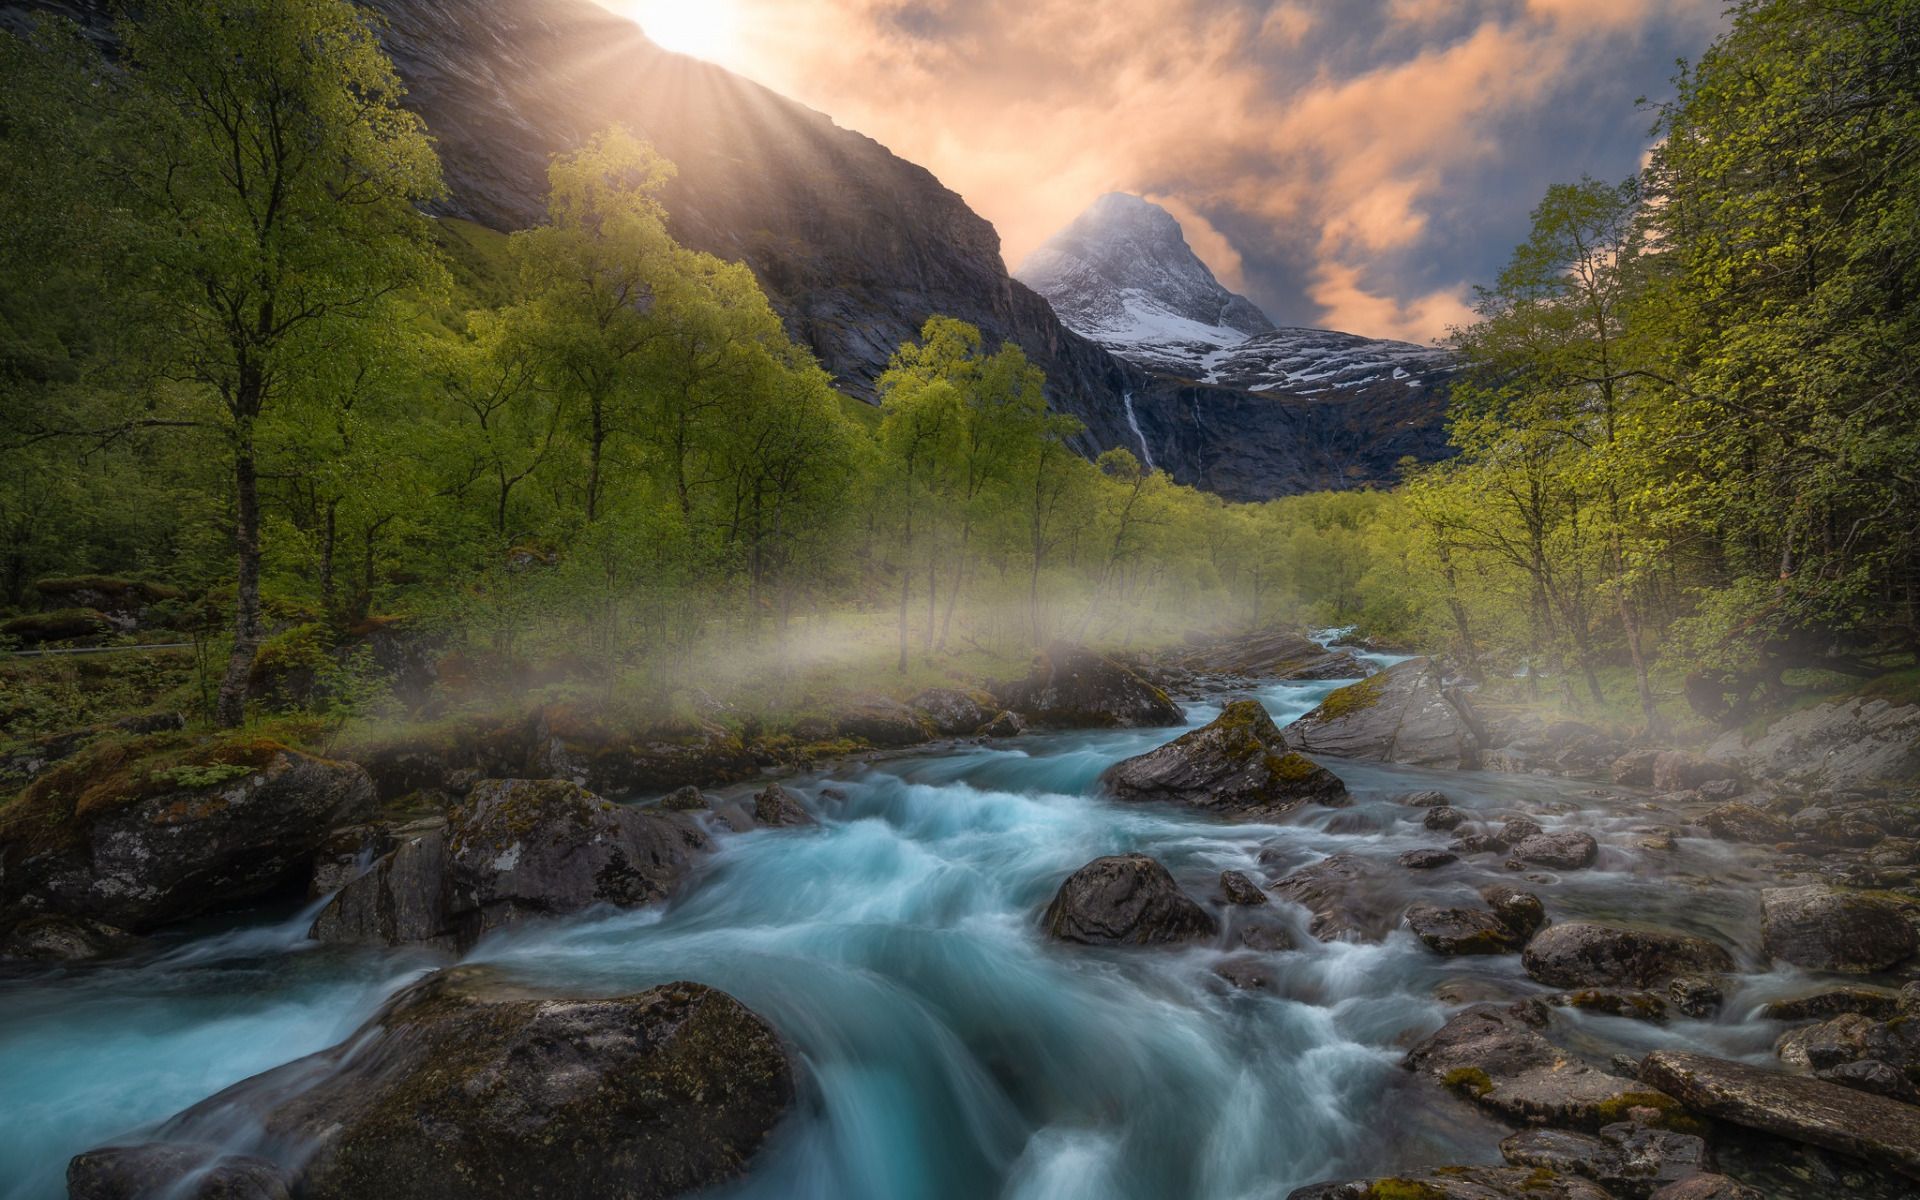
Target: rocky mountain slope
1123, 275
855, 246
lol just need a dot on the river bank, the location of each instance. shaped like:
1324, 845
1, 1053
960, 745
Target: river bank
944, 1047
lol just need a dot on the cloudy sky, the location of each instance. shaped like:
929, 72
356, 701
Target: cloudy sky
1357, 164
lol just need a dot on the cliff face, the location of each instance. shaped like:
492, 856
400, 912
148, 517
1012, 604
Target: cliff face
855, 246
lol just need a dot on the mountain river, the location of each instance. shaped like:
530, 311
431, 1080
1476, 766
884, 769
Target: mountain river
948, 1049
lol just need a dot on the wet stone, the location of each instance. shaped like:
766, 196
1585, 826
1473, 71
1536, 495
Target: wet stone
1427, 859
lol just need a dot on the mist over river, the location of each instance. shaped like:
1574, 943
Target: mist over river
947, 1049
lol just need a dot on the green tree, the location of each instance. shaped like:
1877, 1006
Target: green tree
275, 198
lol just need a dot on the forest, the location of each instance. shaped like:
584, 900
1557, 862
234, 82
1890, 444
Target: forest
486, 714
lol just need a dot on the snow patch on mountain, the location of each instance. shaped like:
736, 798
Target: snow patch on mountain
1123, 275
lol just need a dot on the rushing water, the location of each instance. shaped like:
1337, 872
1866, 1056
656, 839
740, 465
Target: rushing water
949, 1050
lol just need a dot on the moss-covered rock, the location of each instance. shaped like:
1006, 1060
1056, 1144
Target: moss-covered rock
1496, 1057
142, 832
467, 1087
1405, 714
1072, 687
1237, 765
1460, 1183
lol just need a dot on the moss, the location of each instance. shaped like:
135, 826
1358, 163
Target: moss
1468, 1079
1403, 1189
1292, 768
57, 626
54, 811
1354, 698
1669, 1114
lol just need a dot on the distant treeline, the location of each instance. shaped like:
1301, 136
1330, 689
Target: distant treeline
237, 358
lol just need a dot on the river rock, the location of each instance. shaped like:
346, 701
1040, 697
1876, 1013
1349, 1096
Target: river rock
1521, 911
514, 849
1456, 931
1495, 1056
1458, 1183
1427, 858
1634, 768
60, 938
1007, 724
468, 1087
776, 807
1846, 746
1236, 889
1873, 1128
685, 799
882, 722
1677, 771
1237, 765
1587, 954
1125, 899
1566, 850
1852, 1038
1707, 1187
1443, 817
136, 851
1630, 1161
1073, 687
1871, 1002
1735, 821
1426, 798
1346, 897
1270, 654
1405, 714
1825, 930
952, 712
177, 1172
1873, 1075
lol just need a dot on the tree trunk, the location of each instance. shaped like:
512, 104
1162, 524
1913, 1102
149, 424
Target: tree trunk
231, 710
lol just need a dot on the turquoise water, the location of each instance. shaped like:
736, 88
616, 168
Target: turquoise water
948, 1050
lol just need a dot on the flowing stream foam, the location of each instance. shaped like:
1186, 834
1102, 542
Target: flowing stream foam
947, 1049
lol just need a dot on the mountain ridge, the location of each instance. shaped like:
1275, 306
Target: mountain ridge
855, 246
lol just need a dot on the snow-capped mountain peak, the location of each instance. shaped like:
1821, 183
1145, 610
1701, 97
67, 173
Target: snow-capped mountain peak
1123, 275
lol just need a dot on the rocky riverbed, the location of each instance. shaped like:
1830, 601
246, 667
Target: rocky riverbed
1111, 936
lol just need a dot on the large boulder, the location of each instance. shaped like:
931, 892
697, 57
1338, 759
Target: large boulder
514, 848
1346, 897
1125, 899
1237, 765
1405, 714
1459, 1183
1738, 821
120, 839
883, 722
1457, 931
1873, 1128
1496, 1057
466, 1087
955, 713
1846, 746
1271, 654
1582, 954
1826, 930
1566, 849
1073, 687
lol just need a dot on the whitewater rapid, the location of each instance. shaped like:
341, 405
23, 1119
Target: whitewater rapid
947, 1049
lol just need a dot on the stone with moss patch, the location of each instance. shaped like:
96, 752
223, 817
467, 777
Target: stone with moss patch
1406, 714
467, 1086
1237, 765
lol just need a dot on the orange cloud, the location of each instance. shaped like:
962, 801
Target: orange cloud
1032, 108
